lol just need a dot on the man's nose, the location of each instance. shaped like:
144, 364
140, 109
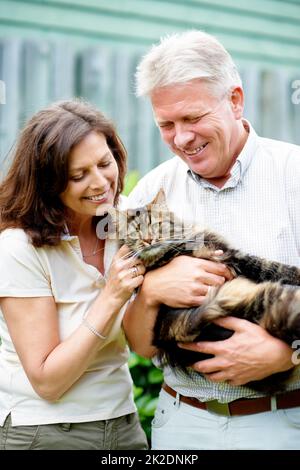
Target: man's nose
183, 138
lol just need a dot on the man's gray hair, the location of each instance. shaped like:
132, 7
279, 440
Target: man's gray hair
180, 58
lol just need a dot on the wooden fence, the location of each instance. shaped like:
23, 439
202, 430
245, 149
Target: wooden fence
37, 73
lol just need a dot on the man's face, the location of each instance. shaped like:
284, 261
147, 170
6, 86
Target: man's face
204, 130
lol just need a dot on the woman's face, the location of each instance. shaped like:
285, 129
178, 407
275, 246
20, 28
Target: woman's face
93, 177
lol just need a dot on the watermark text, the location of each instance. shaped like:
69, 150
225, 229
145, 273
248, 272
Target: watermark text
2, 92
296, 93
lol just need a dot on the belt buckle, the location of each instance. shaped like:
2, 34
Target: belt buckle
219, 408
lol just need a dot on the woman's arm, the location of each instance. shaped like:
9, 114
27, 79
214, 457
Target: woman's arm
53, 366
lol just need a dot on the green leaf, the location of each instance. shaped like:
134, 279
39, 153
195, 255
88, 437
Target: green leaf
145, 362
150, 407
136, 360
133, 360
142, 401
137, 391
155, 376
131, 180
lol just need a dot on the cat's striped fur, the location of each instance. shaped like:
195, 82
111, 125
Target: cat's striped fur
258, 293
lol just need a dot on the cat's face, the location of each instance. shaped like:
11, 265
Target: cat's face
150, 231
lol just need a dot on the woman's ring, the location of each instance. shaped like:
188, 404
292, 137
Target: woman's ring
135, 271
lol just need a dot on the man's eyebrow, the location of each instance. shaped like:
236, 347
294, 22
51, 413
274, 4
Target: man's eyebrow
197, 113
107, 154
159, 122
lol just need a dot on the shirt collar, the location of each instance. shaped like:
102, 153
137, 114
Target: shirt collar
240, 166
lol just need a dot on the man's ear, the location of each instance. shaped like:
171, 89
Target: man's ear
160, 200
237, 102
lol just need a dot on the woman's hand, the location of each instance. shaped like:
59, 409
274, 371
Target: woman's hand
184, 282
125, 275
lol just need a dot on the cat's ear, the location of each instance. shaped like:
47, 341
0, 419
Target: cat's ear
160, 199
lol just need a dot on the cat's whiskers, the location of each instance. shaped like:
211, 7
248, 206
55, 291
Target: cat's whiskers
139, 250
131, 254
128, 255
171, 243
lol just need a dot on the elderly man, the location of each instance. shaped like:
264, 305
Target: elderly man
246, 188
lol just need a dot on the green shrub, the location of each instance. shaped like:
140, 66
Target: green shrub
131, 180
147, 381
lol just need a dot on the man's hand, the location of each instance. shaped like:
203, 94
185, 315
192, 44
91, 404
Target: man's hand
184, 282
251, 353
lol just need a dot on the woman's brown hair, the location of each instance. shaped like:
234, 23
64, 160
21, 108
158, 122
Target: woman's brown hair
30, 193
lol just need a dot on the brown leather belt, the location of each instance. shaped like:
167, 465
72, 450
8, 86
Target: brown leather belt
245, 406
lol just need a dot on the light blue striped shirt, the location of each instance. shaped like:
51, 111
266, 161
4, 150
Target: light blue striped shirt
257, 211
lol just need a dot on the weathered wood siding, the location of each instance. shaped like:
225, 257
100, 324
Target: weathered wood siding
57, 49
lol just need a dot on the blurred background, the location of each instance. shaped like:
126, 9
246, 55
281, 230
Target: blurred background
58, 49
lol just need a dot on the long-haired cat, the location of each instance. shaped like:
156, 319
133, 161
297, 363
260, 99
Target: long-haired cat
258, 293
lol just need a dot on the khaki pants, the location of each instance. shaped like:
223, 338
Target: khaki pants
122, 433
